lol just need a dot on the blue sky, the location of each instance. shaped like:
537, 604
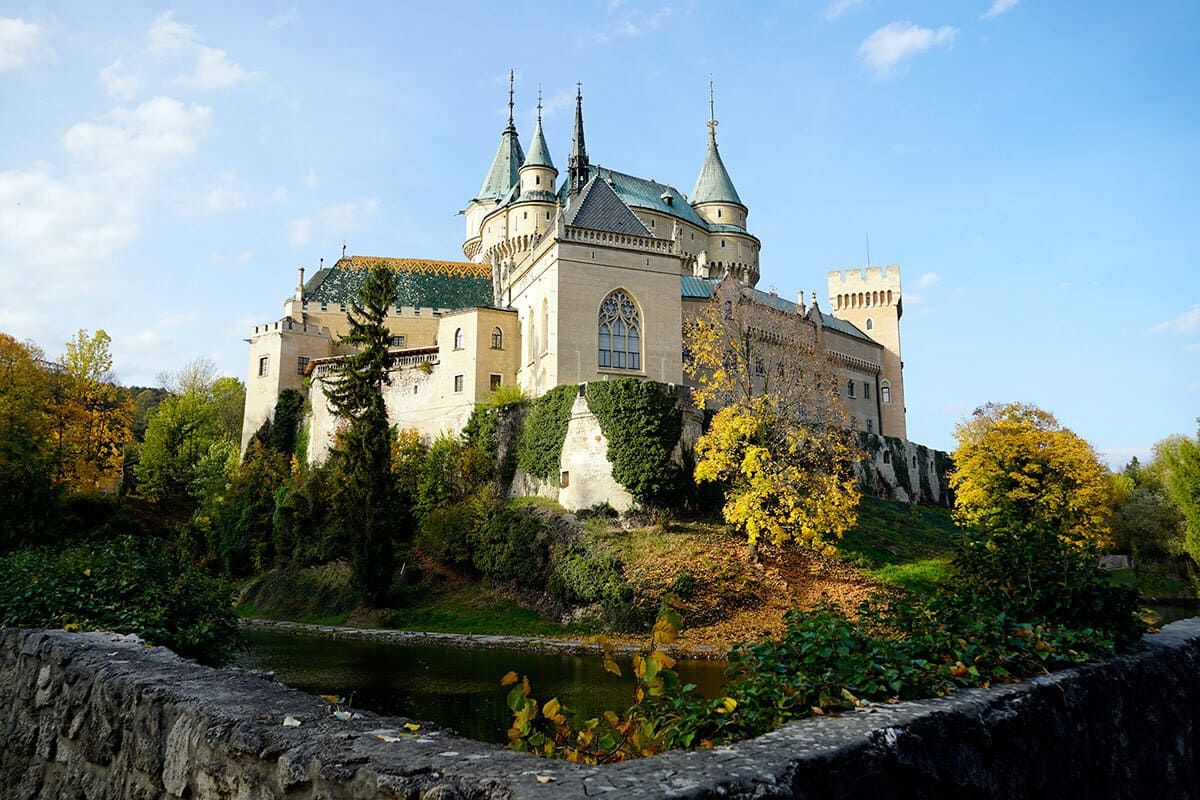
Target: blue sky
1032, 166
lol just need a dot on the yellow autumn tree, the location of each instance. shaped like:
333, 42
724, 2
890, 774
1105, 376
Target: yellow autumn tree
781, 437
93, 415
1016, 467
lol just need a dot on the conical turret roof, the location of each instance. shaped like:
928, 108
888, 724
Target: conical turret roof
714, 184
539, 152
506, 164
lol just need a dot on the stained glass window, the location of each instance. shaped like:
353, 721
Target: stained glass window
620, 333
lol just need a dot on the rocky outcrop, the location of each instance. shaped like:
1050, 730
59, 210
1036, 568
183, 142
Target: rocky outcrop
102, 716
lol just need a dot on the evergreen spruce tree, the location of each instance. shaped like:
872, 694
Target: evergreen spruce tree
365, 499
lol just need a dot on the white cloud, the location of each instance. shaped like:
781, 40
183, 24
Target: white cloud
122, 86
1186, 323
20, 42
214, 70
888, 49
222, 199
168, 37
911, 299
999, 7
300, 232
631, 23
283, 19
332, 221
839, 7
66, 226
137, 143
929, 279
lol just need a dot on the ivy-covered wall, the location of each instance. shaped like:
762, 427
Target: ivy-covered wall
895, 469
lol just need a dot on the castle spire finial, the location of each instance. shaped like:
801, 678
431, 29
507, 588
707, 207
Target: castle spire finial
578, 169
510, 96
712, 117
539, 104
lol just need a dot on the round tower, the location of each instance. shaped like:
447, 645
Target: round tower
538, 174
499, 182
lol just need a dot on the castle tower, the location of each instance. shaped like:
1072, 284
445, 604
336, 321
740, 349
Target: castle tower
538, 173
872, 301
731, 250
499, 181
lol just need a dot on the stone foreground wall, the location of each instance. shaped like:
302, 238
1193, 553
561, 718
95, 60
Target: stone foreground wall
99, 716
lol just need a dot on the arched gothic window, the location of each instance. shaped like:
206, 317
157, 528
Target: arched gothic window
620, 330
497, 339
870, 324
458, 339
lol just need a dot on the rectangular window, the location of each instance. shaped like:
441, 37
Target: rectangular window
458, 383
866, 391
264, 366
564, 480
301, 364
870, 426
494, 381
397, 341
758, 367
850, 388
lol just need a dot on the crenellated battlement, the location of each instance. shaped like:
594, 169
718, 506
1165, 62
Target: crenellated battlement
872, 277
289, 325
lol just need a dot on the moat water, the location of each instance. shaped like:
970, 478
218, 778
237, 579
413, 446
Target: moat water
455, 687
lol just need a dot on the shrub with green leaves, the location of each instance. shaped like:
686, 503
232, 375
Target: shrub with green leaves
511, 544
128, 585
642, 422
539, 451
445, 536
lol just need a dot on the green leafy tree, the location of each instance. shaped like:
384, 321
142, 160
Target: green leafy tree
201, 412
1017, 468
26, 464
366, 499
1180, 463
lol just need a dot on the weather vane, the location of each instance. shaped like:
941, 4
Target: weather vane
712, 117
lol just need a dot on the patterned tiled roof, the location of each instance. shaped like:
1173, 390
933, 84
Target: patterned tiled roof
704, 288
419, 283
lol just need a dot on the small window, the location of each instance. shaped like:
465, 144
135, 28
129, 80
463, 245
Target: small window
758, 367
524, 215
728, 309
495, 381
866, 391
497, 339
458, 383
718, 217
885, 394
397, 341
564, 480
779, 369
537, 180
264, 366
849, 388
887, 457
870, 324
870, 426
301, 364
458, 339
722, 243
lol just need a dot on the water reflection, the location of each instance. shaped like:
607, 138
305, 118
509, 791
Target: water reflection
454, 687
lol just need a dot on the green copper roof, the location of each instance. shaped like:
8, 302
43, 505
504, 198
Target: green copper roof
505, 166
704, 288
539, 153
449, 285
640, 193
714, 184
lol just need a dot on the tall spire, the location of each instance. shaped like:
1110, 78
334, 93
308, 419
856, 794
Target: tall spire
714, 184
503, 174
539, 152
577, 163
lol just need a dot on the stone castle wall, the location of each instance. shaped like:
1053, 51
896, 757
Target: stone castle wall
97, 716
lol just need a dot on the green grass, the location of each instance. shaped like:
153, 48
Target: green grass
905, 545
470, 609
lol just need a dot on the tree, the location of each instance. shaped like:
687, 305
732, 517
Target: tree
781, 439
1017, 468
365, 500
26, 464
1180, 462
183, 428
94, 416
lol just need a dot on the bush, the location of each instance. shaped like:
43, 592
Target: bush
128, 585
578, 576
452, 471
511, 544
444, 535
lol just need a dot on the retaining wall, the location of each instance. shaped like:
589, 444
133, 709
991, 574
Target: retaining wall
102, 716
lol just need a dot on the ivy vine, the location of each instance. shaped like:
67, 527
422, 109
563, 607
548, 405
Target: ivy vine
539, 451
899, 462
642, 423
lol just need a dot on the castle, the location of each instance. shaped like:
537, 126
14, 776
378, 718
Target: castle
586, 278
